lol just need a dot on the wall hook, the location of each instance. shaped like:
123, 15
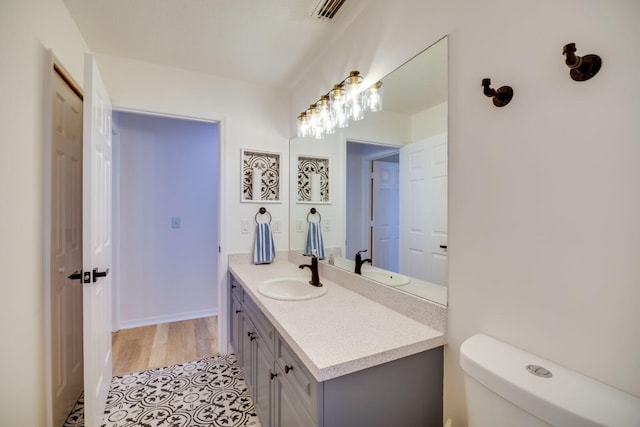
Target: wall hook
582, 68
501, 97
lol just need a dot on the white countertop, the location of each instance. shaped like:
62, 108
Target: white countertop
341, 332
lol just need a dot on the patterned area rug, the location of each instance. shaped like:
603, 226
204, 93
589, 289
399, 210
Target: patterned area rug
204, 393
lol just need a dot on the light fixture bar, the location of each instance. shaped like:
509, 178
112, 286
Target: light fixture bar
345, 102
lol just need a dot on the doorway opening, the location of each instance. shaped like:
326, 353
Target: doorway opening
166, 217
361, 215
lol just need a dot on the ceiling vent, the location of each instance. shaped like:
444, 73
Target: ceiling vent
327, 9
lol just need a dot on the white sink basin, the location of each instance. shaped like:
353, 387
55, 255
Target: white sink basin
386, 277
290, 289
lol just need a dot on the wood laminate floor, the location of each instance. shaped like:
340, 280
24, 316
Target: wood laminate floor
149, 347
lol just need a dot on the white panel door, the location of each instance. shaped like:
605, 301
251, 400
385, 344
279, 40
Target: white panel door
66, 249
97, 247
414, 222
423, 209
385, 199
438, 208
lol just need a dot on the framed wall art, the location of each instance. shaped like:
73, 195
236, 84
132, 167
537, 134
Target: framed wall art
260, 176
314, 180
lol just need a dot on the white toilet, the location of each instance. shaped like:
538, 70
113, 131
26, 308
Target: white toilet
502, 392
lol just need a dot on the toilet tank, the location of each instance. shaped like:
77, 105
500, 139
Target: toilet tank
501, 391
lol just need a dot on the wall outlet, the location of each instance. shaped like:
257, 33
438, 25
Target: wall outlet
175, 222
244, 226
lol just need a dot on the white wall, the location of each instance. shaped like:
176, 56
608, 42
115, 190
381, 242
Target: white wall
168, 168
430, 122
544, 203
253, 116
27, 29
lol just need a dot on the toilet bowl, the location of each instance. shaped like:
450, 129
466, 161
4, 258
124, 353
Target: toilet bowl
508, 387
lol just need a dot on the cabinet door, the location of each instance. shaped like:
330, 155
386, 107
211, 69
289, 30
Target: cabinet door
262, 381
234, 327
288, 410
247, 334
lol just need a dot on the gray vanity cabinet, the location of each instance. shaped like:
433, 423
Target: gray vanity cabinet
405, 392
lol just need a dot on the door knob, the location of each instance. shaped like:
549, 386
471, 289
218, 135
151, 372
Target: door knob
97, 274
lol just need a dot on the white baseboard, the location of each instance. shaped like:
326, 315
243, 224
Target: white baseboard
173, 317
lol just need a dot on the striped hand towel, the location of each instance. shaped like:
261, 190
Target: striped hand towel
315, 245
264, 250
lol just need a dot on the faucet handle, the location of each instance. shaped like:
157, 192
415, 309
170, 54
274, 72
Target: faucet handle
362, 251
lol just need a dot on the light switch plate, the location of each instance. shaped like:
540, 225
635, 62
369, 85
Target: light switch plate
326, 225
299, 227
175, 222
244, 226
276, 226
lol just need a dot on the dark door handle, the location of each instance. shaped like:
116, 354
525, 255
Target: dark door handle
443, 246
287, 368
272, 375
97, 274
76, 275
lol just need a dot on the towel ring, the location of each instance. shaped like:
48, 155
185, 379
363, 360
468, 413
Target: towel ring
262, 211
313, 211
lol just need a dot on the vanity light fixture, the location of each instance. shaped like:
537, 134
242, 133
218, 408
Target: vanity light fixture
582, 68
345, 102
501, 97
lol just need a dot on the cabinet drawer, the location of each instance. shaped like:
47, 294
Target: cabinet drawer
265, 329
301, 380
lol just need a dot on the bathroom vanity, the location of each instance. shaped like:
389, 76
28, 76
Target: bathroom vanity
340, 359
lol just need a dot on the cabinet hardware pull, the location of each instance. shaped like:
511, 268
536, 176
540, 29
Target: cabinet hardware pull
272, 375
443, 246
233, 286
238, 311
287, 368
252, 336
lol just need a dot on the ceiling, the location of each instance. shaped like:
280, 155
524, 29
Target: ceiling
266, 42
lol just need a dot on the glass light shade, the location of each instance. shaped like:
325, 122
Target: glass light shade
324, 112
373, 99
303, 125
355, 108
354, 96
315, 123
338, 106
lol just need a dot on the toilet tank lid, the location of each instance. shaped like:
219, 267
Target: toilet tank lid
565, 399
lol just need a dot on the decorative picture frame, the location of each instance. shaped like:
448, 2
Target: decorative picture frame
314, 180
268, 164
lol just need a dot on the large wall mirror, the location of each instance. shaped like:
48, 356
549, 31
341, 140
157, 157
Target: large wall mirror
380, 185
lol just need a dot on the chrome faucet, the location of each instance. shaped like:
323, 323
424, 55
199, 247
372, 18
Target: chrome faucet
360, 261
315, 277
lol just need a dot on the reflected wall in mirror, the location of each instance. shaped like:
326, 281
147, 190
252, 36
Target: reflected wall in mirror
389, 183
